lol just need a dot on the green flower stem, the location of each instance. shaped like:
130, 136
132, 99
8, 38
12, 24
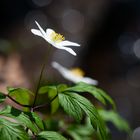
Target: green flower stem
38, 85
40, 78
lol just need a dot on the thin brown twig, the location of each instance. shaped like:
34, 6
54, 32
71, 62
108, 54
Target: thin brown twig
45, 104
17, 102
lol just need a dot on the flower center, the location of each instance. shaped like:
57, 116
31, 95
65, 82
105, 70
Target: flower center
77, 72
57, 37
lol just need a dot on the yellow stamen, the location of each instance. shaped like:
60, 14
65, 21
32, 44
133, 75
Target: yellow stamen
77, 72
57, 37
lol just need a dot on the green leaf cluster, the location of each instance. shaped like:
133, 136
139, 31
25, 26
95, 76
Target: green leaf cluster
21, 95
98, 93
29, 125
14, 123
12, 131
113, 117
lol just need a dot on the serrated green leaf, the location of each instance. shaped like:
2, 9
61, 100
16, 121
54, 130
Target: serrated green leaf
47, 89
5, 110
50, 135
20, 117
72, 102
75, 135
107, 97
11, 131
96, 92
82, 129
2, 97
54, 105
51, 91
70, 106
61, 87
38, 121
24, 119
116, 119
83, 87
95, 118
21, 95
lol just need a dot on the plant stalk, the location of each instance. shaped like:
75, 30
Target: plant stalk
45, 104
40, 78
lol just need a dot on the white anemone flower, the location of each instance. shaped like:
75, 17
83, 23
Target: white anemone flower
55, 39
75, 75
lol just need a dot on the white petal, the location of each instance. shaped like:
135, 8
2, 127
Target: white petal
36, 32
49, 37
57, 45
71, 77
68, 49
40, 28
64, 72
56, 65
60, 68
49, 31
90, 81
68, 43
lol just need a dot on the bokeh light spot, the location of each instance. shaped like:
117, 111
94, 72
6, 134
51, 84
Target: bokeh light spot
73, 21
136, 48
136, 134
42, 3
125, 43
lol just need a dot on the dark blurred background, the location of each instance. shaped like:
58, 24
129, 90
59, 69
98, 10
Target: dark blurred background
109, 34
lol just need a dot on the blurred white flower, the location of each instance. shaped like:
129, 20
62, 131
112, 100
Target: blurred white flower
75, 75
55, 39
